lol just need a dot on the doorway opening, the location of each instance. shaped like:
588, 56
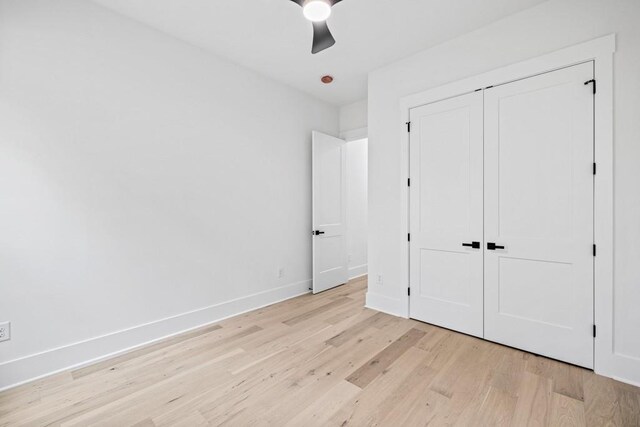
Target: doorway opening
339, 210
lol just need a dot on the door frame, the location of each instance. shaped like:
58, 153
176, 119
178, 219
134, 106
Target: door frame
600, 51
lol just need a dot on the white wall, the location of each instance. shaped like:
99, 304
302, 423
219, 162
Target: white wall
353, 120
545, 28
147, 187
357, 207
353, 128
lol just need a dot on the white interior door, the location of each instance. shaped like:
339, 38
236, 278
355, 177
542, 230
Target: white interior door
539, 207
446, 213
329, 212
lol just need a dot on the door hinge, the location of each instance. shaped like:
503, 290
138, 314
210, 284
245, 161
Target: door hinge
408, 182
409, 291
594, 250
594, 168
594, 331
408, 237
408, 126
594, 84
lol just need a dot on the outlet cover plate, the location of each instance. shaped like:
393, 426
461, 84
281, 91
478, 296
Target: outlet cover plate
5, 331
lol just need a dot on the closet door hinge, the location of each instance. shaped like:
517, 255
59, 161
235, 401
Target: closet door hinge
594, 331
408, 237
408, 126
409, 291
408, 182
594, 84
594, 168
594, 250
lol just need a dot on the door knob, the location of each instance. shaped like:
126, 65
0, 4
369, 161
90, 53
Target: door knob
492, 246
474, 245
317, 232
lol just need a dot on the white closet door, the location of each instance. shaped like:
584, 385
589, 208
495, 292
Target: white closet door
446, 212
539, 206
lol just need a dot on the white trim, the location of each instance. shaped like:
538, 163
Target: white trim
357, 271
599, 50
354, 134
35, 366
385, 304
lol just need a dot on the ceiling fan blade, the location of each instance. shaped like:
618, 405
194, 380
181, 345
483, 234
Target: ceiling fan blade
322, 38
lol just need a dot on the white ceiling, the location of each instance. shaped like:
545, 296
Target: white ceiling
273, 38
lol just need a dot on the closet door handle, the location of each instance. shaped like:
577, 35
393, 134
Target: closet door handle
474, 245
318, 232
492, 246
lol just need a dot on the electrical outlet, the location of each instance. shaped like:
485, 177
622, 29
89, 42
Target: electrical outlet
379, 279
349, 258
5, 331
280, 273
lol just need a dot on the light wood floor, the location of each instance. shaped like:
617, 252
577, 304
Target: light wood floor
324, 360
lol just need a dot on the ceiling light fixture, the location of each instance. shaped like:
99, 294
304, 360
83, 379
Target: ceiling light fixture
326, 79
316, 10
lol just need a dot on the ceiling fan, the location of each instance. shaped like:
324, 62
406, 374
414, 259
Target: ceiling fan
317, 11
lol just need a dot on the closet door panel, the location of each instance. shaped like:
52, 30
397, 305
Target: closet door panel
446, 212
539, 207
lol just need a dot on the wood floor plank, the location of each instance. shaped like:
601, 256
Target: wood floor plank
301, 384
497, 409
566, 412
106, 364
363, 409
256, 386
369, 319
471, 369
421, 409
147, 422
629, 401
29, 395
316, 311
350, 312
323, 360
510, 371
441, 345
600, 400
377, 364
414, 384
331, 367
533, 407
323, 407
567, 379
468, 354
116, 384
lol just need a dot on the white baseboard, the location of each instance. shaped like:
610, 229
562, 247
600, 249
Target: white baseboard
395, 307
357, 271
625, 369
32, 367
